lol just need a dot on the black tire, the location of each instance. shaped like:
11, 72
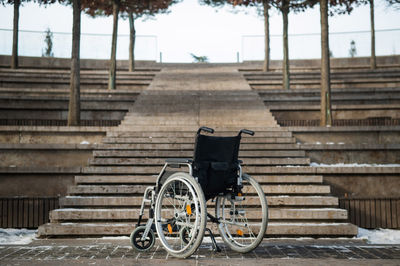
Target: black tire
136, 241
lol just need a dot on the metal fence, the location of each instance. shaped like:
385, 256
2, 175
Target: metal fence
307, 46
373, 213
93, 46
26, 212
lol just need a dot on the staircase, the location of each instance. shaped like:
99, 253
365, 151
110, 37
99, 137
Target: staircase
161, 124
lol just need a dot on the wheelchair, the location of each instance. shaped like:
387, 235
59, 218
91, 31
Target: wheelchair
178, 201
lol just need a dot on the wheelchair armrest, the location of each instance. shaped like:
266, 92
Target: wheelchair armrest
178, 160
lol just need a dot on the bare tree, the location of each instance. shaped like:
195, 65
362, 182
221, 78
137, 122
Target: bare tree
328, 7
14, 55
326, 110
74, 107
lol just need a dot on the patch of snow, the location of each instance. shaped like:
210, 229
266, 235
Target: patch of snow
303, 224
16, 236
341, 143
353, 165
115, 237
318, 143
85, 142
379, 236
330, 143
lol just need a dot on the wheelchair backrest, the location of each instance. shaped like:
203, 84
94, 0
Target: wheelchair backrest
215, 163
216, 149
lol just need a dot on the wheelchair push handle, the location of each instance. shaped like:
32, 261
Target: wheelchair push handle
246, 131
206, 129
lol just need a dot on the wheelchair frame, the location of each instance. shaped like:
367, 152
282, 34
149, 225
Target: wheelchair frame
152, 192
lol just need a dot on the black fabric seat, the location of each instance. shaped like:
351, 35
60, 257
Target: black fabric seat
215, 163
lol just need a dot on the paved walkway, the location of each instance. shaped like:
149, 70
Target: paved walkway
270, 252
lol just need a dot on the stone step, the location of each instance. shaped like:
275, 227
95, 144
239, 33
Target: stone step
151, 179
177, 134
305, 82
44, 71
152, 128
306, 77
151, 170
160, 162
133, 134
189, 153
334, 85
139, 189
274, 229
299, 98
73, 214
66, 79
121, 201
174, 146
191, 140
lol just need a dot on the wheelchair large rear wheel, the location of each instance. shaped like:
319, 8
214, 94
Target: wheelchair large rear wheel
180, 210
243, 218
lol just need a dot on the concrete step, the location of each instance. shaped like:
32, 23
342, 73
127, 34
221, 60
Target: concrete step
160, 161
139, 134
274, 228
191, 140
139, 189
189, 153
151, 170
191, 128
121, 201
64, 80
338, 85
84, 92
45, 71
151, 179
337, 98
74, 214
175, 146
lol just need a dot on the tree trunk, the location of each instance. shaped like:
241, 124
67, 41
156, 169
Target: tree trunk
113, 59
14, 56
285, 62
373, 57
266, 28
74, 108
326, 113
132, 39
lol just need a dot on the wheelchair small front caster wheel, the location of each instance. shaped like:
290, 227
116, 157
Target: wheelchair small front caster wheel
137, 242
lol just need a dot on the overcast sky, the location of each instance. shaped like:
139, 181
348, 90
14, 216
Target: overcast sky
206, 31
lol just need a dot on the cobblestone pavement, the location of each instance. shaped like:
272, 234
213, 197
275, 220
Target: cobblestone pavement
119, 252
